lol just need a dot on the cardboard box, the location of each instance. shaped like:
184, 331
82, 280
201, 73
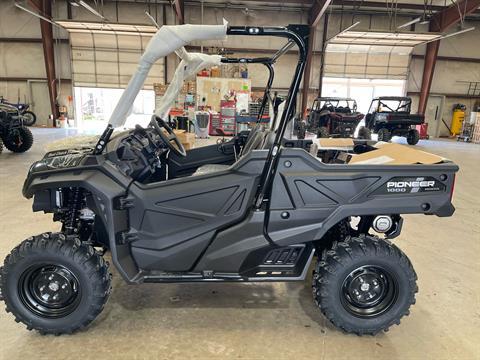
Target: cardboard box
395, 154
215, 72
187, 139
334, 143
159, 89
188, 146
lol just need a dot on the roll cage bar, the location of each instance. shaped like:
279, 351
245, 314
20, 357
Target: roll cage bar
331, 100
404, 103
269, 63
296, 35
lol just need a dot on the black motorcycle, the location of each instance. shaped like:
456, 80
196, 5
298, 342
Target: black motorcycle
29, 118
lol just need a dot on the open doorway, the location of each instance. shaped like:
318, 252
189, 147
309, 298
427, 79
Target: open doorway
94, 106
362, 90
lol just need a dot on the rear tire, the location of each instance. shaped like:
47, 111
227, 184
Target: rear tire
29, 118
301, 130
413, 137
19, 141
384, 135
364, 133
364, 285
323, 132
54, 284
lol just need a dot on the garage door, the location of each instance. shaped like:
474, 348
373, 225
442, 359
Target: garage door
372, 55
106, 55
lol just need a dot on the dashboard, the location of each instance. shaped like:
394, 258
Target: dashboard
137, 153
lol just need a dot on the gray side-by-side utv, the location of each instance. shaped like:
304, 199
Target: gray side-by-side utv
252, 209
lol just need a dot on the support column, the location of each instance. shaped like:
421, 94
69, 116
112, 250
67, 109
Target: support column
322, 60
45, 7
308, 69
180, 11
318, 9
165, 59
440, 22
428, 71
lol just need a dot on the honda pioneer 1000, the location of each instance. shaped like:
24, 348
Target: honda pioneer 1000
264, 216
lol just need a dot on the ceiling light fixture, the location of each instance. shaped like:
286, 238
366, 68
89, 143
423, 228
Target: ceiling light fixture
344, 30
91, 9
411, 22
152, 19
452, 34
422, 20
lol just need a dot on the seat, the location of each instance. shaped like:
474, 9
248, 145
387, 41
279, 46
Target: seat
260, 140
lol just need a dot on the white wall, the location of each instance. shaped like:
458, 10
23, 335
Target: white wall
450, 76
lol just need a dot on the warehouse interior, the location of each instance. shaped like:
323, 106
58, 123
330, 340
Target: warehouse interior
69, 62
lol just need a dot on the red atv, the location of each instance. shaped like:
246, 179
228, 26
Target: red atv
333, 117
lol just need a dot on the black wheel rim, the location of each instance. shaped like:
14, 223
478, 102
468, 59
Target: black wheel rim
27, 118
50, 291
369, 291
16, 138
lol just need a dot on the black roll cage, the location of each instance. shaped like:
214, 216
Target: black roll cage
403, 103
331, 100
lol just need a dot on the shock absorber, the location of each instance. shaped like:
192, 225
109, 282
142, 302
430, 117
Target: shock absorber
74, 204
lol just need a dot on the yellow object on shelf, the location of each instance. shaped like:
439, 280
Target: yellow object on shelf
458, 118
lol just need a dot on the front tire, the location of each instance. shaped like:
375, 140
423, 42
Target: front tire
54, 284
323, 132
364, 133
301, 130
384, 135
364, 285
413, 137
18, 140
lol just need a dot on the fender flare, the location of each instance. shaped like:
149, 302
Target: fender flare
105, 190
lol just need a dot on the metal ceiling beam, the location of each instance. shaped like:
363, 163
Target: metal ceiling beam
305, 2
180, 11
45, 8
379, 4
440, 22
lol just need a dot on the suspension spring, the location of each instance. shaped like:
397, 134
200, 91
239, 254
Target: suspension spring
73, 208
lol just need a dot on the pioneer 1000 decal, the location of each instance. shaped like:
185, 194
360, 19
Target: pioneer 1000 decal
410, 185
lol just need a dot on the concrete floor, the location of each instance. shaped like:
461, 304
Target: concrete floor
267, 320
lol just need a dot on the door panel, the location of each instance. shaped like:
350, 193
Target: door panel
180, 217
433, 114
41, 103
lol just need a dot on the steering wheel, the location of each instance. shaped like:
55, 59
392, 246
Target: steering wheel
171, 140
